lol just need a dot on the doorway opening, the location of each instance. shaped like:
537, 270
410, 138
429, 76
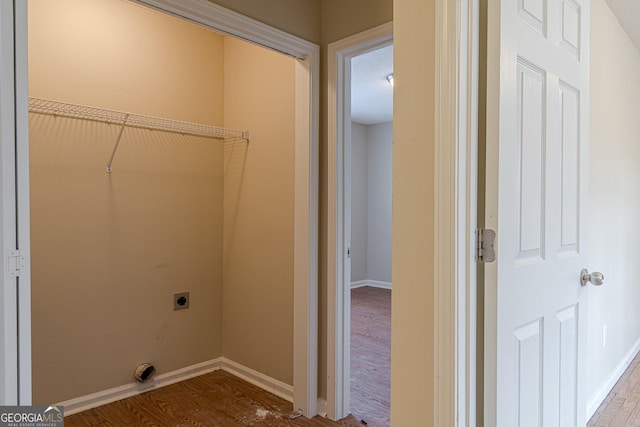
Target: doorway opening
138, 308
356, 205
370, 250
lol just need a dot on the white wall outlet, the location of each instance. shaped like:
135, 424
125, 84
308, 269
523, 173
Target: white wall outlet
604, 336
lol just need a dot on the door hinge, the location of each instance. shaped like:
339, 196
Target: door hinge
485, 239
15, 263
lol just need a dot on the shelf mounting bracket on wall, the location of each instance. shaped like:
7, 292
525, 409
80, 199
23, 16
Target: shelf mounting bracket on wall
115, 147
83, 112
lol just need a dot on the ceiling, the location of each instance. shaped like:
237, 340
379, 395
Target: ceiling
371, 93
628, 13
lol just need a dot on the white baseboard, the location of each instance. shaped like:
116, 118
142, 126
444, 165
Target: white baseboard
359, 284
82, 403
93, 400
601, 395
372, 283
322, 407
261, 380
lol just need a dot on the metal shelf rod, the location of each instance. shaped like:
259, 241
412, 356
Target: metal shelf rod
84, 112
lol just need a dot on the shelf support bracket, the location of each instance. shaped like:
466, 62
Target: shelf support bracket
115, 147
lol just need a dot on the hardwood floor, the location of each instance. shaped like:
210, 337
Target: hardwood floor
371, 355
220, 399
217, 399
621, 408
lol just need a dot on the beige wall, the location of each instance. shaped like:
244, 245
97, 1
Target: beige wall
412, 310
109, 250
297, 17
614, 199
258, 213
342, 18
319, 21
337, 19
124, 58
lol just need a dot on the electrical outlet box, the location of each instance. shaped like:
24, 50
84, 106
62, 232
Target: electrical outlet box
181, 301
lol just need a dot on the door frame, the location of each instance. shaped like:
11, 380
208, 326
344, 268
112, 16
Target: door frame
307, 77
15, 314
456, 135
340, 54
457, 334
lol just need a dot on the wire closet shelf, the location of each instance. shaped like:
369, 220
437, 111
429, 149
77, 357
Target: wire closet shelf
84, 112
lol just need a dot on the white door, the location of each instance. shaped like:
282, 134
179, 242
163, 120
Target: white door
15, 301
537, 155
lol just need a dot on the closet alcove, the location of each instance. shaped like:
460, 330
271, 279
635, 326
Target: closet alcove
180, 211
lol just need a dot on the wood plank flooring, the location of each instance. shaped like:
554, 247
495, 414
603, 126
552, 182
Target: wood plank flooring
371, 355
217, 399
621, 408
220, 399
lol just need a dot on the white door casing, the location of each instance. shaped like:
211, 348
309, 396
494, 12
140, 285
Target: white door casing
15, 331
9, 331
340, 54
536, 198
22, 203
